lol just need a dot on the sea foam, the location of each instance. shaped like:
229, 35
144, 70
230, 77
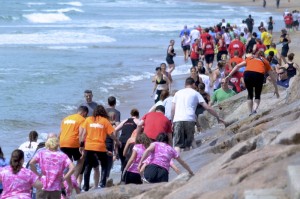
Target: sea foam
46, 17
54, 38
64, 10
72, 3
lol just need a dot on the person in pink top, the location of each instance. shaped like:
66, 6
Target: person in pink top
18, 181
52, 163
132, 174
162, 154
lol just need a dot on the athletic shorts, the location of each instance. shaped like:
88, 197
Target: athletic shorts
169, 60
209, 58
185, 48
132, 178
184, 133
288, 26
155, 174
296, 23
72, 153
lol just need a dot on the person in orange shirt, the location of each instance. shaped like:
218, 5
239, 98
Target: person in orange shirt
256, 67
94, 132
69, 136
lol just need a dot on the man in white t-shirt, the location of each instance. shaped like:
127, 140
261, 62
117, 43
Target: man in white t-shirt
184, 105
195, 34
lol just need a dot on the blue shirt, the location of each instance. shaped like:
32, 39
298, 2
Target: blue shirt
284, 83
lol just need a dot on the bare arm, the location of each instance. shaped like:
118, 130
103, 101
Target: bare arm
119, 127
149, 150
185, 165
173, 111
140, 127
70, 172
37, 184
131, 159
129, 141
236, 68
33, 167
212, 112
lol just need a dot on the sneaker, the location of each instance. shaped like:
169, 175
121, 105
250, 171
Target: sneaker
253, 112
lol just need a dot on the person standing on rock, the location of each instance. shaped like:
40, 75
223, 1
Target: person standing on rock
256, 67
184, 105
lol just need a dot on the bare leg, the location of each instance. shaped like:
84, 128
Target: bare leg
171, 68
283, 59
78, 167
256, 104
250, 105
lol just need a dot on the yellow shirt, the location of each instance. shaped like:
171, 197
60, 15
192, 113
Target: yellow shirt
266, 37
96, 131
69, 134
271, 49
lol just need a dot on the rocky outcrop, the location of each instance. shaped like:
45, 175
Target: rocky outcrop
254, 157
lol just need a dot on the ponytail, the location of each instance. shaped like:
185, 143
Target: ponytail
16, 160
33, 135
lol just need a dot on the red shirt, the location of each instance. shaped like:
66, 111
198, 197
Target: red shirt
204, 37
288, 19
260, 47
236, 45
156, 123
222, 45
195, 51
208, 48
237, 60
236, 81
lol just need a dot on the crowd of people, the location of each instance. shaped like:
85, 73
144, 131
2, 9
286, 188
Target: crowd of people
225, 60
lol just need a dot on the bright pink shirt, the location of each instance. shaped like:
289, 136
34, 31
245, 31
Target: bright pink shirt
18, 185
163, 154
52, 164
139, 149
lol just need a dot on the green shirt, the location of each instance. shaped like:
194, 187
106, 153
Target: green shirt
221, 95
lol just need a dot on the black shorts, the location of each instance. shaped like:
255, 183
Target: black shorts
284, 51
185, 48
194, 62
254, 82
169, 60
72, 153
154, 174
288, 26
296, 23
132, 178
209, 58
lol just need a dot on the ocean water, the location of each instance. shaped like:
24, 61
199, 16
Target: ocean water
51, 51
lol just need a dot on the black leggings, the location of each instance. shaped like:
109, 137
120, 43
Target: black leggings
254, 80
102, 157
